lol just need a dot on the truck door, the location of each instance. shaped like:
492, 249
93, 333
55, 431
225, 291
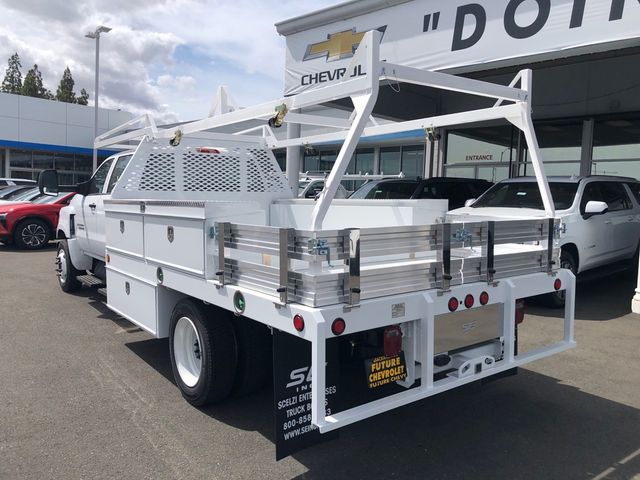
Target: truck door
97, 232
92, 207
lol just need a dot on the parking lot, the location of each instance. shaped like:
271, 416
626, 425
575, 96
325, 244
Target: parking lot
86, 394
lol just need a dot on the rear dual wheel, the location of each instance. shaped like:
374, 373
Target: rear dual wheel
203, 353
215, 354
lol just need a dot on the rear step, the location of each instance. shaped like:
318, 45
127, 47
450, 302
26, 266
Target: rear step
91, 281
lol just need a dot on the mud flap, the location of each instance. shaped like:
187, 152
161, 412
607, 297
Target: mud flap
292, 393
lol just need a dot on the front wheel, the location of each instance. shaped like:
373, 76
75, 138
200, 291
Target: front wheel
203, 353
557, 299
67, 273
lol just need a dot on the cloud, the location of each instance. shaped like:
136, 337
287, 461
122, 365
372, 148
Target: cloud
164, 58
183, 82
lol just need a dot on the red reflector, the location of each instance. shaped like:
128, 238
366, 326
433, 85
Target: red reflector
298, 323
468, 301
557, 284
453, 304
519, 311
338, 326
207, 150
484, 298
392, 341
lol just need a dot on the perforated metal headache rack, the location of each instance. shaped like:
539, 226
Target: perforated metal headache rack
317, 267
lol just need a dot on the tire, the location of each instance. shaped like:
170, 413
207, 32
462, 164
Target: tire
556, 299
202, 345
67, 273
255, 359
32, 234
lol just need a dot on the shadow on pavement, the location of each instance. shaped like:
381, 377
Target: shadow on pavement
10, 248
525, 427
598, 297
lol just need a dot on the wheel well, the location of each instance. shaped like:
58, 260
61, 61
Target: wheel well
60, 235
573, 250
167, 300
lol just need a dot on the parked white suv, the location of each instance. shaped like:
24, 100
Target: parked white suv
600, 215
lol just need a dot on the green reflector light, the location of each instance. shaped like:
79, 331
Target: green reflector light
239, 302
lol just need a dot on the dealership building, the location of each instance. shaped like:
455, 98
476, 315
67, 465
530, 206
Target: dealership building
36, 134
585, 57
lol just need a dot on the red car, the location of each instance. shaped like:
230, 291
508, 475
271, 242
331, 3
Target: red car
30, 225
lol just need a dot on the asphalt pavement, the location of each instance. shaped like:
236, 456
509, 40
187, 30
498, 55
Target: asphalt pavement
85, 394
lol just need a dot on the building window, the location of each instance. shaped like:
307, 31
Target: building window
21, 159
408, 159
491, 153
616, 147
560, 147
72, 168
361, 163
281, 158
485, 153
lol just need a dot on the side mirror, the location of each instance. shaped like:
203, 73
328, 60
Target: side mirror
48, 182
594, 208
469, 202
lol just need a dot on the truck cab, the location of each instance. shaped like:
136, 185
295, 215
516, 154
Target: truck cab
81, 223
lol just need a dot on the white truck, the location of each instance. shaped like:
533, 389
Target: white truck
368, 305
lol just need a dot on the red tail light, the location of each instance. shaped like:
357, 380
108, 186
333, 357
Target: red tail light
557, 284
484, 298
519, 311
338, 326
298, 323
453, 304
207, 150
392, 340
468, 301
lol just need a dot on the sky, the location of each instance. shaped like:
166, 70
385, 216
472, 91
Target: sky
164, 57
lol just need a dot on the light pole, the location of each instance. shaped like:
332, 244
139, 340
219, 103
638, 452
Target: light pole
96, 35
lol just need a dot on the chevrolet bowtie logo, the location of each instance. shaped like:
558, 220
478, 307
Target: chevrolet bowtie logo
337, 45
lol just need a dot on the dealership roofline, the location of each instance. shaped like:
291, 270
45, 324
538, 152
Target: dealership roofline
325, 16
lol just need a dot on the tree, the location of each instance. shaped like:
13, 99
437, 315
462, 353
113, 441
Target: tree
65, 91
12, 82
83, 99
33, 86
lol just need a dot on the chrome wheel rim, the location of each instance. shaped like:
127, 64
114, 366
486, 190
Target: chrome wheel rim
186, 351
33, 235
62, 266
